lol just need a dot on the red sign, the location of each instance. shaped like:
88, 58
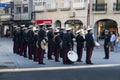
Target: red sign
42, 21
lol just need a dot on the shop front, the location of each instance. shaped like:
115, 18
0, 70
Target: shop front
74, 24
6, 29
105, 24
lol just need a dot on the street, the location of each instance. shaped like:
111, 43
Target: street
15, 67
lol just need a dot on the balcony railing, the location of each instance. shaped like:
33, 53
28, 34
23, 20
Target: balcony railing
116, 6
99, 7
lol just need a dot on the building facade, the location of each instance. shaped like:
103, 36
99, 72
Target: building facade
22, 12
105, 14
5, 18
62, 13
77, 14
99, 14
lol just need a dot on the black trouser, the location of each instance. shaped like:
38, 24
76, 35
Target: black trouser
88, 55
50, 50
79, 52
106, 49
41, 53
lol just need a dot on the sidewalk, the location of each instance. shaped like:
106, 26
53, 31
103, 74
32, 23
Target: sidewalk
5, 60
10, 60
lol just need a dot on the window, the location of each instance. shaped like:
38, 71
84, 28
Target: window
79, 4
78, 1
25, 8
6, 10
18, 9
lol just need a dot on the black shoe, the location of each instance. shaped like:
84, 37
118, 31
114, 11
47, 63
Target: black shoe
57, 61
79, 61
42, 63
90, 63
50, 58
106, 58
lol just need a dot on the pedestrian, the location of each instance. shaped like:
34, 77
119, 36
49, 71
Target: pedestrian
112, 41
117, 42
89, 45
80, 44
106, 44
50, 36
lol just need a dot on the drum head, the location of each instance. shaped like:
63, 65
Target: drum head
72, 56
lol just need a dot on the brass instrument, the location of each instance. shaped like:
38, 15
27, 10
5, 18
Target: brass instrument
43, 44
37, 44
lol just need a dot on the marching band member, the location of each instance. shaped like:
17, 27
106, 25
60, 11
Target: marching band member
66, 45
89, 45
72, 38
57, 45
30, 42
80, 44
36, 45
61, 36
50, 36
18, 40
25, 42
15, 40
41, 37
106, 44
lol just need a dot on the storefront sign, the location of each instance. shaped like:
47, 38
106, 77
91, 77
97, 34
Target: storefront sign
42, 21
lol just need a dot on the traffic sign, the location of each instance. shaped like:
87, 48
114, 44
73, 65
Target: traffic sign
5, 5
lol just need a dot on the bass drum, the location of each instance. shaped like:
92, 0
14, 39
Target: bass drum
72, 56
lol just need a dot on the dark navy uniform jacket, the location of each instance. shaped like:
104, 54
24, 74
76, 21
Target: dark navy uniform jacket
18, 37
80, 41
50, 36
30, 36
61, 35
107, 40
72, 36
67, 44
89, 40
57, 41
14, 35
41, 36
25, 37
